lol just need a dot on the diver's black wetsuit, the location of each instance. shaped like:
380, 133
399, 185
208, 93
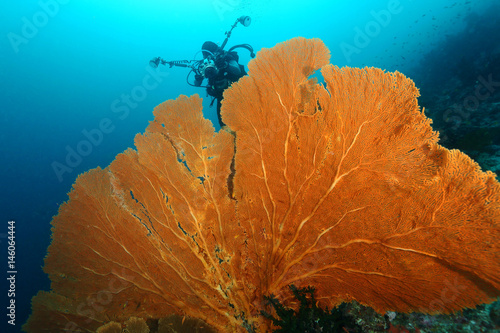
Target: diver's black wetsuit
228, 71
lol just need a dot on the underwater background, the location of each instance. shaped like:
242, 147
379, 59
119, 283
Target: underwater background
76, 86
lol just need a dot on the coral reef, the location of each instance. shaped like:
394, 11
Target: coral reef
342, 187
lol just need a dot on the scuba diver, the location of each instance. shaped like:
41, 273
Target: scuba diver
224, 71
219, 67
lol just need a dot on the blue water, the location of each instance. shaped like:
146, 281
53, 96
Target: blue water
74, 77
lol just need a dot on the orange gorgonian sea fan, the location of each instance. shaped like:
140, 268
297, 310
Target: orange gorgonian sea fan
341, 186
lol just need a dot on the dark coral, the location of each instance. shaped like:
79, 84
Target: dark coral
309, 318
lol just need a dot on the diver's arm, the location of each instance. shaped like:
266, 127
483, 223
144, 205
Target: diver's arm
233, 68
